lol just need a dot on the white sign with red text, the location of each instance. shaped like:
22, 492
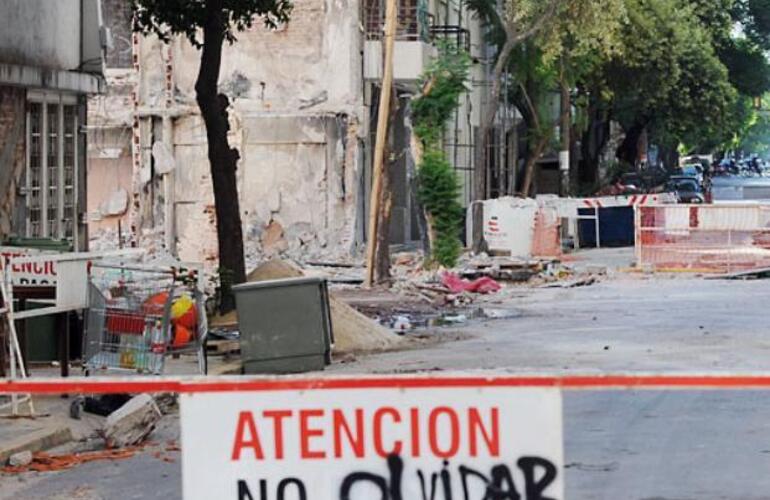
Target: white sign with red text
38, 273
359, 440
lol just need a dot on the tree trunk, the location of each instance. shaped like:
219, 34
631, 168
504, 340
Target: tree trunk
628, 151
222, 158
529, 170
480, 152
593, 143
382, 255
669, 156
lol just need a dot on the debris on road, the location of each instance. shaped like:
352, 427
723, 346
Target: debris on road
43, 462
503, 268
455, 284
132, 423
574, 283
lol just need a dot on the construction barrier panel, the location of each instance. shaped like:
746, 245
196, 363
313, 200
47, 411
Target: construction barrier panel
526, 227
704, 238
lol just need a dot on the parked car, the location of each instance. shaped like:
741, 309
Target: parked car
693, 170
687, 189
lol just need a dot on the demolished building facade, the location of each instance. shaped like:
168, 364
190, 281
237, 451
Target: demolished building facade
303, 101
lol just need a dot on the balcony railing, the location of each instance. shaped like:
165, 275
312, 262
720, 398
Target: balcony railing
452, 34
414, 21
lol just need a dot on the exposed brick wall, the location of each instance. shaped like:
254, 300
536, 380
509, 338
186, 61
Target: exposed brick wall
12, 132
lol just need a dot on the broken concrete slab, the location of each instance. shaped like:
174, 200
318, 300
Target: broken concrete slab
132, 423
20, 459
37, 440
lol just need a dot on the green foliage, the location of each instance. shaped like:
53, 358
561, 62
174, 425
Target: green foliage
166, 18
754, 17
445, 80
669, 78
438, 192
678, 68
747, 65
755, 138
438, 189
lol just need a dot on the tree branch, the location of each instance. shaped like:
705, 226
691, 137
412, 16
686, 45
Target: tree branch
536, 26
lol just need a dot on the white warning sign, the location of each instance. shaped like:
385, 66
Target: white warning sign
356, 439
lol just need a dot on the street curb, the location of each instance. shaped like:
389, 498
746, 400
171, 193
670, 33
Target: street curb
34, 441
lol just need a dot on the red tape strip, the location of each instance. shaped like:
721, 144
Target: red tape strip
94, 385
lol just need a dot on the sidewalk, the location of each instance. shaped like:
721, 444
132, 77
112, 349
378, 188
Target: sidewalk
49, 428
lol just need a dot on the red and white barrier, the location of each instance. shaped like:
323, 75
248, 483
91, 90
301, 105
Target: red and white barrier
716, 238
526, 227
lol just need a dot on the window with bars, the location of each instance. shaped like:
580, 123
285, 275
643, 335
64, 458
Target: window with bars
51, 177
414, 20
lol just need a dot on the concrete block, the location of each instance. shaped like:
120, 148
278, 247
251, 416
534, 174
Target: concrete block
132, 423
20, 459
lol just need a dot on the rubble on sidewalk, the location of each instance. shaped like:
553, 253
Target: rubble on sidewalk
418, 296
34, 440
132, 423
43, 462
503, 268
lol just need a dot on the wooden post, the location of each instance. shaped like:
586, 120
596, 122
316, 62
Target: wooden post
383, 113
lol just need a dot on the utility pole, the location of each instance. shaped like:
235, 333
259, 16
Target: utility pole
383, 114
565, 133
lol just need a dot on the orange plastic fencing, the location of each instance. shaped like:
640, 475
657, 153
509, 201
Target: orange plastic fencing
546, 237
706, 238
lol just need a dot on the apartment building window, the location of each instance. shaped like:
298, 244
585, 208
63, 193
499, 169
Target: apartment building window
51, 176
414, 20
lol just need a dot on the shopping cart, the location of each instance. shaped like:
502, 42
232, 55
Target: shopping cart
138, 316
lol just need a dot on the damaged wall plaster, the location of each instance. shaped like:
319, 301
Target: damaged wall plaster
12, 120
296, 110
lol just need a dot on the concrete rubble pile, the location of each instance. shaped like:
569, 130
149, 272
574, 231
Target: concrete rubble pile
117, 427
418, 296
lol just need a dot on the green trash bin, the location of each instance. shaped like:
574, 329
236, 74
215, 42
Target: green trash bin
47, 244
285, 325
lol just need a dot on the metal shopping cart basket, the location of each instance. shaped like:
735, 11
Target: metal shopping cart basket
138, 316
